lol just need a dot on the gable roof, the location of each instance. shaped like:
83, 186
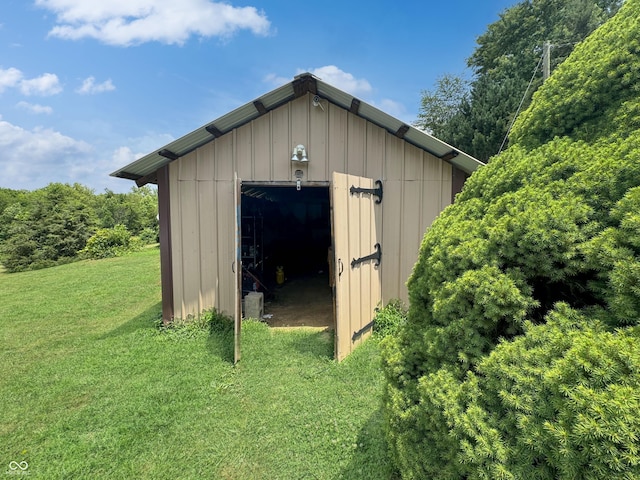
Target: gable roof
144, 170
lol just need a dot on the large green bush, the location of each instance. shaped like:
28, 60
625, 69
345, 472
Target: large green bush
519, 344
110, 242
561, 401
47, 227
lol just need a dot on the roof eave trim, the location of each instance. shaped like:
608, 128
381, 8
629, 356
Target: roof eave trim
302, 84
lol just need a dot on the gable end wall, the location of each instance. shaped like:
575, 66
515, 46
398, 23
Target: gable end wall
417, 186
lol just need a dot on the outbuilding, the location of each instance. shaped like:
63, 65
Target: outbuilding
306, 180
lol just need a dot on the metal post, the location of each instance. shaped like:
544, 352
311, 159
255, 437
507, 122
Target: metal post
546, 62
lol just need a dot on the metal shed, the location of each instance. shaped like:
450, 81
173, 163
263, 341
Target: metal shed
303, 175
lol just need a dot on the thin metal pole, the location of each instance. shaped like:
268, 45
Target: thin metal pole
546, 65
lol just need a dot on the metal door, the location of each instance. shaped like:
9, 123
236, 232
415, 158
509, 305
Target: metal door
355, 213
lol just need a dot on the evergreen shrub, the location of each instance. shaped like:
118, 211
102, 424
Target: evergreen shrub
110, 242
519, 355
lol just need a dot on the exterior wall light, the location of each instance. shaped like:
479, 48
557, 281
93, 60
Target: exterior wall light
299, 154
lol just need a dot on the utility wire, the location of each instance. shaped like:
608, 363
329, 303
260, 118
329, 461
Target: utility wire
521, 102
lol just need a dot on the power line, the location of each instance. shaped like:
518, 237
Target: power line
535, 70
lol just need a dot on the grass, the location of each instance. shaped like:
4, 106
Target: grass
91, 388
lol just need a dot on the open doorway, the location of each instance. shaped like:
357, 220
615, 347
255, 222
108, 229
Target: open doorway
286, 237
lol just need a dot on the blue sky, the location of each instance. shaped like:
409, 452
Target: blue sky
88, 86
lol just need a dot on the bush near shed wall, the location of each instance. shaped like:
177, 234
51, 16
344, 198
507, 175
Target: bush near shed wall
518, 359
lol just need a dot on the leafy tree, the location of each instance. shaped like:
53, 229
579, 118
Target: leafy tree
51, 228
481, 119
503, 63
136, 210
10, 200
574, 99
9, 197
519, 356
439, 107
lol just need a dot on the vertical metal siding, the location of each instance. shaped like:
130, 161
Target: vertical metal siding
417, 186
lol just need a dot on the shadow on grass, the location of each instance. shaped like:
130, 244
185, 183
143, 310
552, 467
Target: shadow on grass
146, 320
317, 343
220, 341
372, 459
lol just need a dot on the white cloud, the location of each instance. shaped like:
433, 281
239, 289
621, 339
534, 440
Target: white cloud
89, 86
331, 75
341, 79
276, 80
46, 84
95, 173
35, 108
393, 108
345, 81
129, 22
124, 156
9, 78
33, 158
137, 148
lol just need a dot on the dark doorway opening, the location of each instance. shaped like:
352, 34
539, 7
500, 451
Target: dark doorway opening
286, 237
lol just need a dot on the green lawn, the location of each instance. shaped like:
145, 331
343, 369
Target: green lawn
90, 388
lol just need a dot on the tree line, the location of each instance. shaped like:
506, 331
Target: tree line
55, 224
475, 115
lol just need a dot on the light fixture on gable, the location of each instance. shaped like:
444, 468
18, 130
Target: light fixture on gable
299, 154
317, 102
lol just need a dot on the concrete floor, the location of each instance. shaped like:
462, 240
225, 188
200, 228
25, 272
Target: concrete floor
301, 301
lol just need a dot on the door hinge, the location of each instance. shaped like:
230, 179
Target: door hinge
373, 191
360, 332
377, 255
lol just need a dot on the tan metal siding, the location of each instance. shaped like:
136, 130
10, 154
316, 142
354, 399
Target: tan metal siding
375, 153
337, 141
356, 146
243, 157
226, 255
391, 241
299, 125
205, 168
224, 157
410, 226
281, 144
262, 147
394, 158
190, 249
417, 186
318, 144
208, 243
431, 203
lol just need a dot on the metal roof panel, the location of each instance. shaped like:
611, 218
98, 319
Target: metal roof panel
148, 164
